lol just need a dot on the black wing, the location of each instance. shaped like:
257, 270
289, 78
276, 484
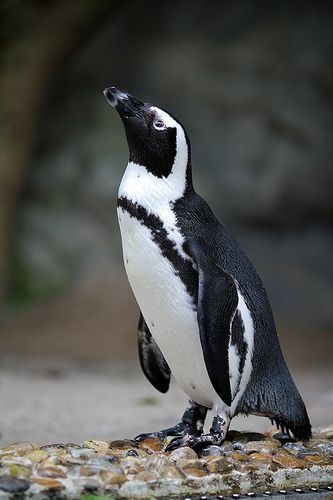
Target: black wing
152, 360
217, 303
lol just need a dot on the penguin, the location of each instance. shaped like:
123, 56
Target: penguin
204, 314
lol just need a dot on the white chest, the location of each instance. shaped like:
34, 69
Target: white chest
166, 307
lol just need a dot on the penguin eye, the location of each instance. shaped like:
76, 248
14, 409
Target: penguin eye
159, 124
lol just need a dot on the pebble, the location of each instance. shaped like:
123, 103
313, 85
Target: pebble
218, 465
17, 470
48, 483
172, 472
13, 485
131, 465
286, 460
51, 472
147, 476
19, 448
123, 444
151, 445
269, 446
96, 445
213, 451
184, 452
194, 472
37, 456
98, 464
109, 477
81, 452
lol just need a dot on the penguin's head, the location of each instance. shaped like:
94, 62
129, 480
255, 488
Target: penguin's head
156, 140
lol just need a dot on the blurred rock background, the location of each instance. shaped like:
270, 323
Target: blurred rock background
253, 84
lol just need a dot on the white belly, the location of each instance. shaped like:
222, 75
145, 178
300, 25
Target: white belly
167, 309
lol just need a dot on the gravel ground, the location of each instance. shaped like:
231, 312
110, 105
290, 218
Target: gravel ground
47, 401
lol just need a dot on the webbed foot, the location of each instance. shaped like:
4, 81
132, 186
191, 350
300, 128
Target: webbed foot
191, 425
216, 436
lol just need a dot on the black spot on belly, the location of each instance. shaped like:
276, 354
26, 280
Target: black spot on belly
183, 267
193, 386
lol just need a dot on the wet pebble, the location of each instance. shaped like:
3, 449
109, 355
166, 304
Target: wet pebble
269, 446
213, 451
286, 460
147, 476
109, 477
194, 472
19, 448
184, 452
48, 483
123, 444
81, 452
151, 445
37, 456
95, 444
13, 485
51, 472
172, 472
131, 465
218, 465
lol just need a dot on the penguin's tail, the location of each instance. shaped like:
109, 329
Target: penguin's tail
278, 399
293, 417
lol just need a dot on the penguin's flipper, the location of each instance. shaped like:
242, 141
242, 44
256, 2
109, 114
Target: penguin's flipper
217, 303
152, 360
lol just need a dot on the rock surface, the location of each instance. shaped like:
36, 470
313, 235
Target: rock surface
107, 468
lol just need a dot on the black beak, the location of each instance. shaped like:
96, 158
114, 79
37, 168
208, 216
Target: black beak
126, 105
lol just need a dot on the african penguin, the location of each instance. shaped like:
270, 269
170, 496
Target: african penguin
205, 316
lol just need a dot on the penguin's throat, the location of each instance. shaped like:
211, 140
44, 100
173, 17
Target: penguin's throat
144, 188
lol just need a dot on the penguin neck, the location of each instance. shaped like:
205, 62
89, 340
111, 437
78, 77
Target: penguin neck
142, 187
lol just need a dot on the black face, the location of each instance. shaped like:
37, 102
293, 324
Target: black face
150, 143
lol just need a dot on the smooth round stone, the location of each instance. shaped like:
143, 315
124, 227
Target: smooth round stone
147, 476
151, 445
194, 472
96, 445
266, 447
37, 456
20, 448
131, 465
213, 451
219, 465
262, 462
13, 485
184, 463
48, 483
172, 472
81, 452
123, 444
52, 447
89, 484
18, 471
51, 472
295, 449
286, 460
318, 460
157, 463
183, 452
131, 453
50, 461
109, 477
86, 471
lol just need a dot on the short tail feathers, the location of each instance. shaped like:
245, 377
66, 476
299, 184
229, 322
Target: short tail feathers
278, 399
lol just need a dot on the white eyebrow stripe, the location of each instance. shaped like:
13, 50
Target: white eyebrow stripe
168, 120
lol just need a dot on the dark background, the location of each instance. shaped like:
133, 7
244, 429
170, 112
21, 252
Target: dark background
251, 81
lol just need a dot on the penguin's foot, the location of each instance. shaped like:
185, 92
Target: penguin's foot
178, 430
191, 425
216, 436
